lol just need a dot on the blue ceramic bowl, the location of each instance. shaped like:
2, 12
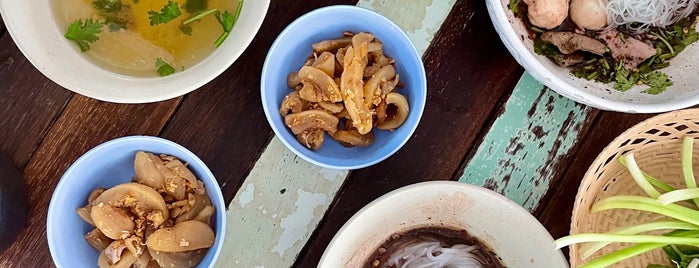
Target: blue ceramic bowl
106, 165
293, 46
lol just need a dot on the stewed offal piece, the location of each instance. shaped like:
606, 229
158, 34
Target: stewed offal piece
161, 219
346, 88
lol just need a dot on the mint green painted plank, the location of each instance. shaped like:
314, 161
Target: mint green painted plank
519, 154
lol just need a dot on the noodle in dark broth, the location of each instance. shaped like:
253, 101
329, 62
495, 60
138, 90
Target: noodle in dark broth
432, 247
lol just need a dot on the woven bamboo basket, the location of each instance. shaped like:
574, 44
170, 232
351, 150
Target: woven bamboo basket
656, 144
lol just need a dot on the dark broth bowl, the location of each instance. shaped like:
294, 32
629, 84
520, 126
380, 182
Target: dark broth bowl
495, 220
293, 46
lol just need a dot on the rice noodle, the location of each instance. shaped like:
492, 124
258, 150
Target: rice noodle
431, 254
638, 15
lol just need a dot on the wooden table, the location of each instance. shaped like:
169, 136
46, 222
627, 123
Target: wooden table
484, 123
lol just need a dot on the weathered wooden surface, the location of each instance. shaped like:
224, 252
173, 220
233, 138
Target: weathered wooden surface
458, 105
276, 209
2, 27
40, 99
286, 219
529, 140
556, 208
470, 122
420, 19
83, 124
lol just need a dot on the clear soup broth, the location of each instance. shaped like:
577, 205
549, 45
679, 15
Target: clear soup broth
128, 44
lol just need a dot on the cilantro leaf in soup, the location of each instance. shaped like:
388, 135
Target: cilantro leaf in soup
84, 33
164, 68
186, 29
168, 13
195, 6
227, 21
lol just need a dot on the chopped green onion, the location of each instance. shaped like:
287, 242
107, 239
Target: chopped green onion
666, 43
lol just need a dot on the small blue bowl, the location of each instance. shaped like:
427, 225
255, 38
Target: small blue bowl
293, 46
107, 165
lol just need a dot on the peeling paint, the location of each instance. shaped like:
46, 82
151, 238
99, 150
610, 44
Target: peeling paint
262, 210
295, 224
420, 19
332, 174
537, 128
247, 196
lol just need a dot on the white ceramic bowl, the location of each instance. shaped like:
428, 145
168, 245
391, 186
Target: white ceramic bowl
36, 32
507, 228
682, 70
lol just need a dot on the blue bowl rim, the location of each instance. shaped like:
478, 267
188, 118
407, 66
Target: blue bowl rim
349, 8
218, 199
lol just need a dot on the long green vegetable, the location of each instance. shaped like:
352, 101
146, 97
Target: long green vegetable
655, 182
682, 222
589, 249
687, 170
637, 175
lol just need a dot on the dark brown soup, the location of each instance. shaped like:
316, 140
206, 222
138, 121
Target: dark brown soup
434, 247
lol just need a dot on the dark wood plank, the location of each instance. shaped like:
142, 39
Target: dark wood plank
2, 26
84, 124
468, 71
29, 104
556, 207
235, 131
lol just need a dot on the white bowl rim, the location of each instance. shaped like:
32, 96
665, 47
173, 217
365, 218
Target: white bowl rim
420, 106
517, 210
207, 172
526, 59
223, 56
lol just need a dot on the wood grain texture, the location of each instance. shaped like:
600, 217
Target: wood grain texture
29, 103
2, 26
223, 121
466, 80
83, 124
556, 207
528, 143
284, 197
